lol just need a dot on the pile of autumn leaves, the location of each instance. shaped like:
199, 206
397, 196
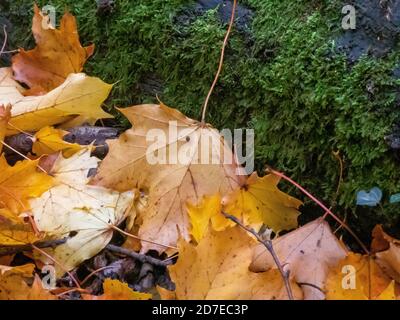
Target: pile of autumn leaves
174, 208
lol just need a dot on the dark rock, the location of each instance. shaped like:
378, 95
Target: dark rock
377, 29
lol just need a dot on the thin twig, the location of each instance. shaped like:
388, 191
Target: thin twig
267, 244
318, 202
138, 256
8, 250
221, 62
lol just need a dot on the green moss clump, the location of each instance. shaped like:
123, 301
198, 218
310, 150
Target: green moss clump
282, 78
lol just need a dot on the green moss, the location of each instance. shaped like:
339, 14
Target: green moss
283, 79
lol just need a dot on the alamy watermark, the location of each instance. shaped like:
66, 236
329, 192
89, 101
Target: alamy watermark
349, 20
201, 146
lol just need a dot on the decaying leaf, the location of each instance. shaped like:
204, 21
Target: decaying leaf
49, 140
218, 268
79, 94
387, 252
21, 182
172, 173
308, 253
358, 277
117, 290
58, 53
260, 201
85, 213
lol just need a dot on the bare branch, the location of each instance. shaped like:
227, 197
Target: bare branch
267, 244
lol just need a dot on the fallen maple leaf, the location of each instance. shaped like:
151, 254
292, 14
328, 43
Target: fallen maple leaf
218, 268
58, 53
49, 140
117, 290
77, 95
308, 252
88, 212
20, 182
387, 252
171, 185
358, 277
260, 201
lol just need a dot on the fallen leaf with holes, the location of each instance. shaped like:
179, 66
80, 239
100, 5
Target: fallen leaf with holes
20, 182
260, 201
57, 54
387, 252
218, 268
49, 140
358, 277
117, 290
172, 173
85, 213
79, 94
209, 210
308, 252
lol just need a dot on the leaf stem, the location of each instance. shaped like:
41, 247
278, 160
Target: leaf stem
221, 62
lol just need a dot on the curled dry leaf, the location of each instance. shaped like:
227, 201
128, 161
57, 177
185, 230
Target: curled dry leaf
170, 171
358, 277
117, 290
57, 54
259, 201
49, 140
308, 253
85, 213
387, 252
77, 95
218, 268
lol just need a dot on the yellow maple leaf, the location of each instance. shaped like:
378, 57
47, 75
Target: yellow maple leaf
117, 290
49, 140
259, 201
15, 233
185, 178
218, 268
58, 53
73, 206
209, 210
79, 94
21, 182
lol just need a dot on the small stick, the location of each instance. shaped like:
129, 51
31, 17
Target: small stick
267, 244
138, 256
8, 250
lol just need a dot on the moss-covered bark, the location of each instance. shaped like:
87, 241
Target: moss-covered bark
282, 77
